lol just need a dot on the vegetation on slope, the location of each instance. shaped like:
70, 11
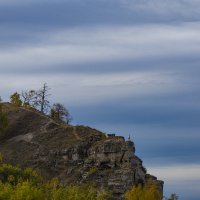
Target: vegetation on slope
26, 184
149, 191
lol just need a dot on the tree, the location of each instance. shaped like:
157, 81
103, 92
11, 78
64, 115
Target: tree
60, 113
15, 99
42, 98
29, 98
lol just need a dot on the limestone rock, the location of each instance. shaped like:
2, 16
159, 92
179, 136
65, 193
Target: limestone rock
74, 154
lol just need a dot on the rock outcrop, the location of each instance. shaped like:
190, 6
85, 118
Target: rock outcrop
74, 154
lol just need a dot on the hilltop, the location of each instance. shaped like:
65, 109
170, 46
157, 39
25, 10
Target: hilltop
73, 154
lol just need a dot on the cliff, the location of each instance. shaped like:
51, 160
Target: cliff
74, 154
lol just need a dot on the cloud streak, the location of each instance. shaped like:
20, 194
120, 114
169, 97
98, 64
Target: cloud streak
181, 179
177, 172
103, 44
166, 8
109, 86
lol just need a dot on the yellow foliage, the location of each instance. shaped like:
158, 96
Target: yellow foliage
27, 191
19, 184
147, 192
16, 174
15, 99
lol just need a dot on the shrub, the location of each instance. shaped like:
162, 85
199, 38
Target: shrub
26, 184
149, 191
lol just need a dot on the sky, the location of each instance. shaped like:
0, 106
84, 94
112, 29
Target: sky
120, 66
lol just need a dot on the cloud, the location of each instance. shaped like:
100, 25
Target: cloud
109, 86
167, 7
177, 173
183, 179
22, 2
72, 13
87, 46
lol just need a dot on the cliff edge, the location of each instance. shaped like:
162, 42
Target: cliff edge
74, 154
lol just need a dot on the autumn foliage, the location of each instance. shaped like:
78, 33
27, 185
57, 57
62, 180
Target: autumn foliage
26, 184
148, 191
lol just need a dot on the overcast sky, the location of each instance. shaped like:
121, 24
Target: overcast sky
121, 66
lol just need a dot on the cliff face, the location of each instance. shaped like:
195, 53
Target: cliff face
74, 154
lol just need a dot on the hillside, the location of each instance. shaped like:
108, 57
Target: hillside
74, 154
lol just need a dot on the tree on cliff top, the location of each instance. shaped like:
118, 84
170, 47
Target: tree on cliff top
29, 98
42, 98
15, 99
60, 113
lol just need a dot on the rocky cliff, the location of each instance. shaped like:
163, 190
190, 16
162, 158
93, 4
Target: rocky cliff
74, 154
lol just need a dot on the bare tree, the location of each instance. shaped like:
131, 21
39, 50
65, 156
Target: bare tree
29, 98
60, 113
42, 98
